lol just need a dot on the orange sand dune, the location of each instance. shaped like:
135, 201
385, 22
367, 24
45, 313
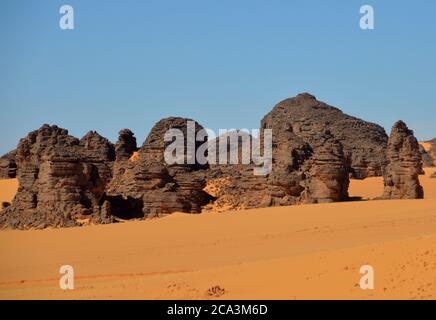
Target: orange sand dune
310, 251
8, 188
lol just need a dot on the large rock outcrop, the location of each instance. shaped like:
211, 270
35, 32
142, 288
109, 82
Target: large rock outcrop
315, 149
61, 180
328, 171
307, 153
156, 187
404, 165
234, 185
300, 173
8, 166
364, 143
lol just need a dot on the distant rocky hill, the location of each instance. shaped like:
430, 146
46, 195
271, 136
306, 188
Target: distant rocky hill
428, 152
65, 181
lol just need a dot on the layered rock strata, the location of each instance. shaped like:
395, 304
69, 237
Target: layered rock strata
404, 165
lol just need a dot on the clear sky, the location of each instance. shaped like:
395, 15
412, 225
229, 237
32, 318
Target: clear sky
224, 63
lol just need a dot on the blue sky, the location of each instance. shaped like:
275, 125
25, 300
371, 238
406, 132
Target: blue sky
224, 63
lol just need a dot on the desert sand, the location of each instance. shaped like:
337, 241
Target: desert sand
298, 252
425, 145
8, 188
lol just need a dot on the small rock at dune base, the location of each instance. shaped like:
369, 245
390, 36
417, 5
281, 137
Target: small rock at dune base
5, 205
215, 292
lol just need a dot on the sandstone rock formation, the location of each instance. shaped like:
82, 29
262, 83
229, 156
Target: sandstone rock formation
307, 153
156, 187
429, 152
64, 181
8, 166
432, 151
59, 180
124, 150
126, 145
234, 186
328, 171
404, 165
309, 162
427, 160
364, 143
100, 152
300, 174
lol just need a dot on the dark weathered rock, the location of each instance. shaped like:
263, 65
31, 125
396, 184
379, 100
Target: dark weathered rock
432, 151
64, 181
161, 188
59, 180
125, 148
8, 166
300, 174
429, 154
309, 164
232, 183
328, 173
99, 152
290, 154
404, 165
427, 160
364, 143
5, 204
126, 145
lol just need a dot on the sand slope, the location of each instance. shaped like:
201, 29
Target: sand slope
425, 145
302, 252
312, 251
8, 188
